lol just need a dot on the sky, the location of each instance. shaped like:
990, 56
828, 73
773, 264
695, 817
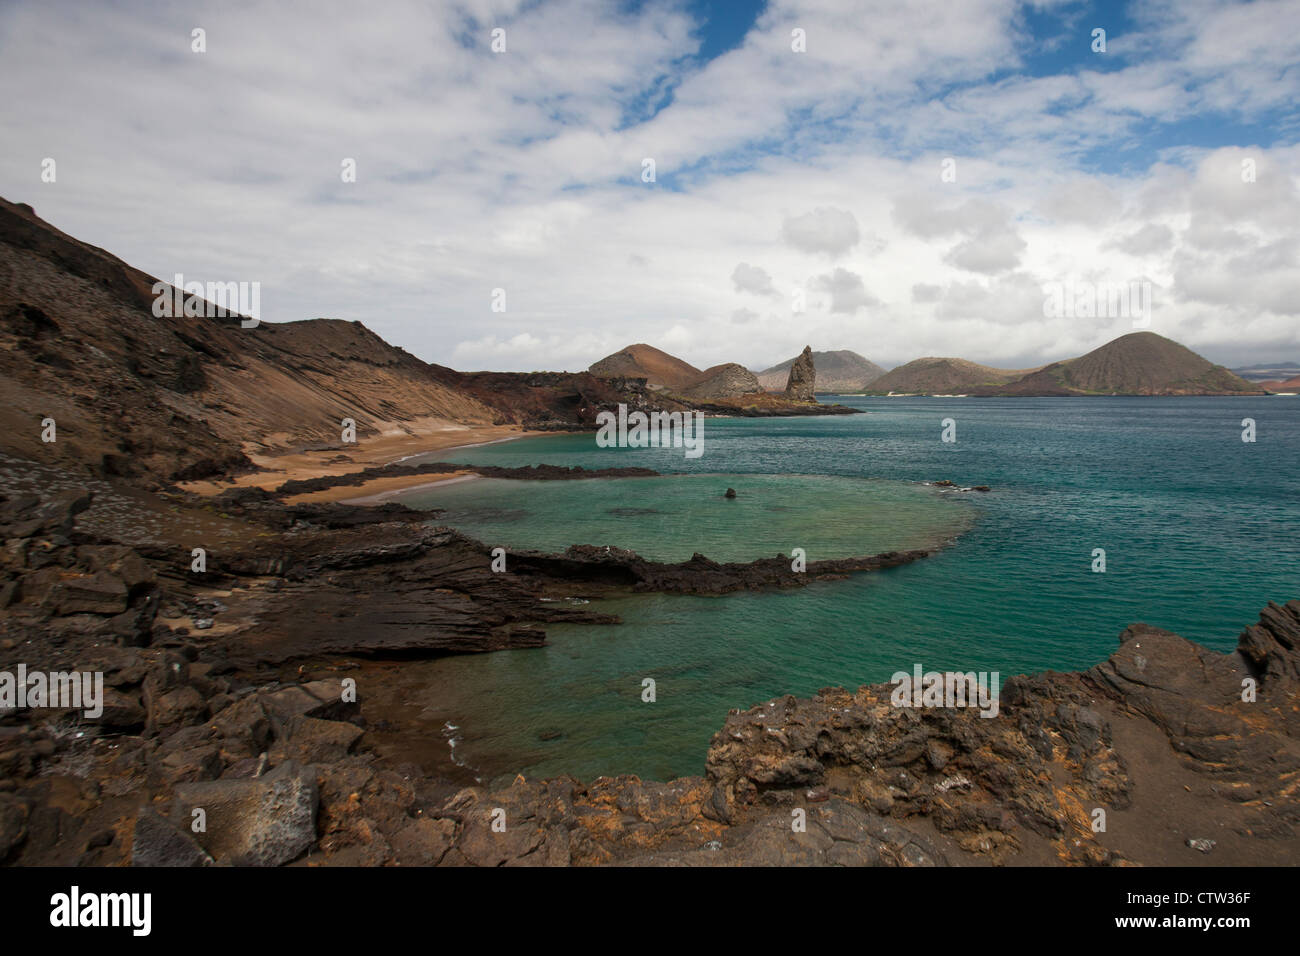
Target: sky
900, 179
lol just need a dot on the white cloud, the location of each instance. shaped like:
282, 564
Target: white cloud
522, 170
847, 291
753, 279
823, 230
1153, 238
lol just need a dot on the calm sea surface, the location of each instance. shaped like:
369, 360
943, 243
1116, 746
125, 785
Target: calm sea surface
1199, 528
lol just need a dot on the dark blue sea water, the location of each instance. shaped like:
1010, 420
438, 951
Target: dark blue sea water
1199, 530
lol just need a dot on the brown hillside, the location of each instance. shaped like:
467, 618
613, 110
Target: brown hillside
180, 397
176, 399
1139, 363
1291, 385
645, 361
941, 376
841, 370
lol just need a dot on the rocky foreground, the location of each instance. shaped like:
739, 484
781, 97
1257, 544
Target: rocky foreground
241, 691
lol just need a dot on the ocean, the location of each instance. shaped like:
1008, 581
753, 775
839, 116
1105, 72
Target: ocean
1198, 528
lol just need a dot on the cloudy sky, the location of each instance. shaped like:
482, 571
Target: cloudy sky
898, 179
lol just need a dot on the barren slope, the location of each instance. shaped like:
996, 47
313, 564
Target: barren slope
645, 361
1140, 363
181, 397
943, 376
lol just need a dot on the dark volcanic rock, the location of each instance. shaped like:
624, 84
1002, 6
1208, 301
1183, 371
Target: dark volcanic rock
121, 711
99, 593
431, 591
1194, 695
13, 824
266, 821
1163, 736
998, 784
835, 833
424, 842
310, 740
159, 842
323, 699
619, 567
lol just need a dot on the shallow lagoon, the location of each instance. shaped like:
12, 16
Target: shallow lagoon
1199, 528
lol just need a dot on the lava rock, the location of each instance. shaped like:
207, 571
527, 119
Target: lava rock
98, 593
266, 821
13, 824
310, 740
159, 842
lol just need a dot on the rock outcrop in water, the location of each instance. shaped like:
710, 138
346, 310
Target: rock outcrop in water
840, 370
620, 568
800, 386
723, 381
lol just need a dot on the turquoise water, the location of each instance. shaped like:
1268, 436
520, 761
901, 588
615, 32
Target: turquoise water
672, 517
1199, 529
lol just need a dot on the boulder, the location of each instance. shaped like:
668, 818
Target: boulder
310, 740
320, 698
424, 842
60, 512
121, 711
188, 764
134, 626
120, 561
98, 593
159, 842
266, 821
184, 705
244, 726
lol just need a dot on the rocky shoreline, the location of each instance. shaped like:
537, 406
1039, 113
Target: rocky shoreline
239, 691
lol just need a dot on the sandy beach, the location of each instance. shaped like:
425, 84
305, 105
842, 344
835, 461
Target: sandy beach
381, 490
416, 439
